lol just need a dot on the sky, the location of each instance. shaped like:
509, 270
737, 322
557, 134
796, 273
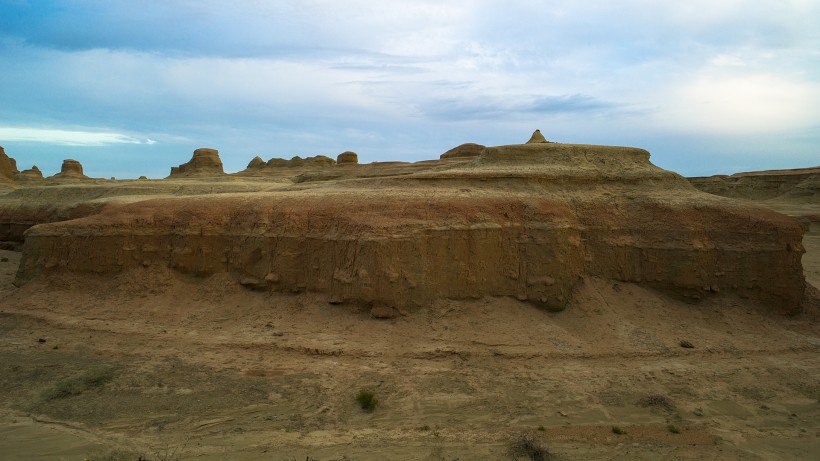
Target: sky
131, 88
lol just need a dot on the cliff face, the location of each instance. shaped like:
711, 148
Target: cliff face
523, 220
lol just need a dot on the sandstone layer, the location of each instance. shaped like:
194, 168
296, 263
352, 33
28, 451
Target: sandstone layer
526, 221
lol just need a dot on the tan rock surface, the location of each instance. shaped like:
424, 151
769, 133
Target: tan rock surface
8, 168
347, 158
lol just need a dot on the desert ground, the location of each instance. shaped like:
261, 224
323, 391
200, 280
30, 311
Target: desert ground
159, 364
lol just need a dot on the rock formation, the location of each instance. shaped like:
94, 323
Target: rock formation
465, 150
205, 162
296, 162
537, 137
8, 167
347, 158
71, 169
802, 185
256, 163
33, 174
528, 221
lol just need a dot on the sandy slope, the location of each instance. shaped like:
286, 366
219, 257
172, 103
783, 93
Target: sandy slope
221, 372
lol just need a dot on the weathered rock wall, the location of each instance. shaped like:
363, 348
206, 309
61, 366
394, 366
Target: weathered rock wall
389, 250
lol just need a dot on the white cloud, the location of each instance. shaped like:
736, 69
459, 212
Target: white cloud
67, 137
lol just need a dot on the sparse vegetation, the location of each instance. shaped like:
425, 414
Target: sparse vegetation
657, 401
529, 445
76, 385
686, 344
617, 430
367, 400
673, 429
542, 428
115, 455
4, 259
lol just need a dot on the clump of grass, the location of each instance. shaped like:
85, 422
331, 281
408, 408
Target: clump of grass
77, 384
673, 429
617, 430
367, 400
657, 401
530, 445
542, 428
4, 259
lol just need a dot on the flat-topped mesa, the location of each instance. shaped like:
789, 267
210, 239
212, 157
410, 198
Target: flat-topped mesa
464, 150
524, 220
205, 162
71, 169
347, 158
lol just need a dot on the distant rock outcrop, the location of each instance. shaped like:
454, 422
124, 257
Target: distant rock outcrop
32, 174
537, 137
71, 169
295, 162
798, 185
465, 150
205, 162
256, 163
347, 158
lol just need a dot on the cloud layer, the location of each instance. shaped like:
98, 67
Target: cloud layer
706, 87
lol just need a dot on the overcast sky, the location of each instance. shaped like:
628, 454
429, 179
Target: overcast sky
131, 88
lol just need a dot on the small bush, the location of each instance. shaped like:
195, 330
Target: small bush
686, 344
673, 429
78, 384
4, 259
658, 401
617, 430
367, 400
530, 445
542, 428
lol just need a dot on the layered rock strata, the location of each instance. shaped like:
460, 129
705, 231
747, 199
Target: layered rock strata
205, 162
527, 221
71, 169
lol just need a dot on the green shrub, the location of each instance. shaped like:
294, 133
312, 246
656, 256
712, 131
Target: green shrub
673, 429
618, 430
78, 384
367, 400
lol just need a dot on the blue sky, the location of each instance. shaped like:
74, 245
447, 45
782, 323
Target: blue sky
131, 88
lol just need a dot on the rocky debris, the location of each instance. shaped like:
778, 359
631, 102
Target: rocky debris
347, 158
256, 163
205, 162
465, 150
71, 169
577, 211
8, 167
537, 137
296, 162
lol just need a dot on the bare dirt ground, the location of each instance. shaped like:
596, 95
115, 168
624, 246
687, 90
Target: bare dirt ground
174, 367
